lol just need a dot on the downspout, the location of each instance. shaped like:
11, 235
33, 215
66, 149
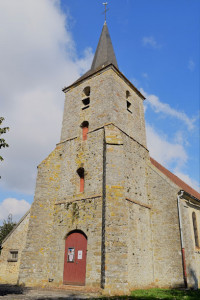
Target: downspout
182, 241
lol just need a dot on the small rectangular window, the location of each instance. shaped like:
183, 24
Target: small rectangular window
13, 255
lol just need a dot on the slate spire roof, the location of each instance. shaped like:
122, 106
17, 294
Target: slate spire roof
104, 54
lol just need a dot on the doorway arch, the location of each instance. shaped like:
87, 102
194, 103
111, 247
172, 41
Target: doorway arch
75, 258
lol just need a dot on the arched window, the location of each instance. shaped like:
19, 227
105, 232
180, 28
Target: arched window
128, 103
86, 97
81, 175
85, 128
196, 237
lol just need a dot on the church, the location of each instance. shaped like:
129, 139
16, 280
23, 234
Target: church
105, 214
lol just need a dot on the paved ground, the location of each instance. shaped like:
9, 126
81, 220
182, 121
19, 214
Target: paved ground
15, 293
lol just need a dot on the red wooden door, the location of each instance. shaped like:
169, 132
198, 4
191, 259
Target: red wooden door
75, 259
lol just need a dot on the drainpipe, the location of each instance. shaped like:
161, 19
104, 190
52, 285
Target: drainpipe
182, 241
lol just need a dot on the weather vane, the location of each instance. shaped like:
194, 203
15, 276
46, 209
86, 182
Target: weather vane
105, 3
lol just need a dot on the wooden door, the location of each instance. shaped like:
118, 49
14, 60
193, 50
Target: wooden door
75, 259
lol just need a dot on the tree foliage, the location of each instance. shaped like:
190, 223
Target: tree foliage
3, 130
6, 228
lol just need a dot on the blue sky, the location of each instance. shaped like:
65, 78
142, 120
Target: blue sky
48, 44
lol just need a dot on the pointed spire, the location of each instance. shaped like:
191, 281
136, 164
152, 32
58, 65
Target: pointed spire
104, 54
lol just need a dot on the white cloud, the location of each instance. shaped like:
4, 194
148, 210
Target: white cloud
150, 41
191, 65
169, 154
180, 138
38, 58
166, 109
164, 151
13, 206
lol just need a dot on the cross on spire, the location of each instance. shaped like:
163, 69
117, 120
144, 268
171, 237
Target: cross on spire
105, 3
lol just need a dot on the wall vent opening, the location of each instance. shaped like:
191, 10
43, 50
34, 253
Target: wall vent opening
81, 174
13, 256
128, 103
128, 106
86, 91
85, 128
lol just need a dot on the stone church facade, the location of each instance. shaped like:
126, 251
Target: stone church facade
105, 214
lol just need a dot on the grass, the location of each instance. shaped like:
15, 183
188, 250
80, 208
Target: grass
153, 294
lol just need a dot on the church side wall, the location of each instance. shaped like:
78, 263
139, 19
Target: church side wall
192, 252
168, 270
9, 270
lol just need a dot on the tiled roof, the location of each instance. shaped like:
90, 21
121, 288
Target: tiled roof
184, 186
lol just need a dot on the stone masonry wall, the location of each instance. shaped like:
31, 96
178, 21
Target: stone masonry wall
116, 215
80, 210
140, 264
9, 270
107, 104
84, 215
35, 257
168, 270
59, 208
128, 253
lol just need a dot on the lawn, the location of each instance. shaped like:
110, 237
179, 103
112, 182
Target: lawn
153, 294
165, 294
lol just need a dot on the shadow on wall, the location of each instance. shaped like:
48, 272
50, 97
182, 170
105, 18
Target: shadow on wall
193, 278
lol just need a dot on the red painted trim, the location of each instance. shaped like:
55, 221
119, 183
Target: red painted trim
184, 267
85, 132
81, 184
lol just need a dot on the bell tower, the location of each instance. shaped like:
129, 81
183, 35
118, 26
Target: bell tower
104, 95
114, 156
92, 188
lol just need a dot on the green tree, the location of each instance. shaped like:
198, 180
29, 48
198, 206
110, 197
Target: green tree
6, 228
2, 131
